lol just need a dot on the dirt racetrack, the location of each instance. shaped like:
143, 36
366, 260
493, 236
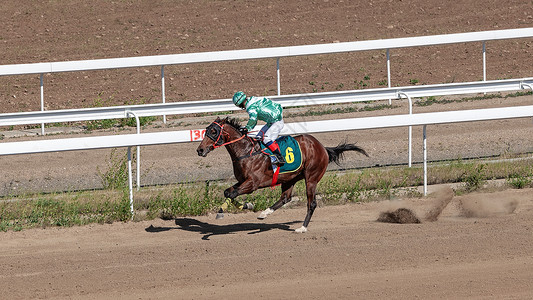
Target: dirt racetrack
345, 255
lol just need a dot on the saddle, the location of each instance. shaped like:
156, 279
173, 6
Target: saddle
290, 149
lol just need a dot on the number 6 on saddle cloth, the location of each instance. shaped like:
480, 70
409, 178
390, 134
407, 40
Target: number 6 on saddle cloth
290, 149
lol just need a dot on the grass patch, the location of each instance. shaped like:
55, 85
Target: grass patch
201, 198
64, 209
115, 175
433, 100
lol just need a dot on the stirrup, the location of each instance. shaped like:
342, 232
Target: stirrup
280, 160
276, 160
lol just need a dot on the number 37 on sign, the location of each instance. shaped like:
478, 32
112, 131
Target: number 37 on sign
197, 134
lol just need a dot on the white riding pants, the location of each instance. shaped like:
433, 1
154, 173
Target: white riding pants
270, 132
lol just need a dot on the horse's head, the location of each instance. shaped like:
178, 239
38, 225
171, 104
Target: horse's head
218, 133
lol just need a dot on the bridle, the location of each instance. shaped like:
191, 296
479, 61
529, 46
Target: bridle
219, 139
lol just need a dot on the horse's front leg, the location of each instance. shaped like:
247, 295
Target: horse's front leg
233, 192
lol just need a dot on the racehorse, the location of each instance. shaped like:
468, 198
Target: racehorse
253, 169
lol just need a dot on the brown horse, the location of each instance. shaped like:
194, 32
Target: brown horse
253, 169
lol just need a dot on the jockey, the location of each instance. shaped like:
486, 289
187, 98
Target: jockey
265, 110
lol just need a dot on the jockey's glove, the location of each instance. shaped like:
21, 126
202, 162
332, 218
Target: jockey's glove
243, 130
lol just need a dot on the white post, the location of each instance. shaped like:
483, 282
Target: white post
279, 81
163, 90
410, 151
138, 123
400, 94
130, 182
388, 73
526, 85
425, 163
42, 102
484, 62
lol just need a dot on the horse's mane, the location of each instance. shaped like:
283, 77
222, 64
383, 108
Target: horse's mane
233, 122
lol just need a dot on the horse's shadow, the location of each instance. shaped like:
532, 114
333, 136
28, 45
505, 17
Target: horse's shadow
209, 230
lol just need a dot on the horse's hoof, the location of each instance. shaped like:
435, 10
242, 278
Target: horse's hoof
301, 229
265, 213
220, 216
248, 205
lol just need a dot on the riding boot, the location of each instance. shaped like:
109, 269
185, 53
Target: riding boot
274, 147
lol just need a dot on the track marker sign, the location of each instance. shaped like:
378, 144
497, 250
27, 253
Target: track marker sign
197, 134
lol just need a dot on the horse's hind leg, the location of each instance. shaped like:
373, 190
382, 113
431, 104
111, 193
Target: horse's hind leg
285, 198
311, 205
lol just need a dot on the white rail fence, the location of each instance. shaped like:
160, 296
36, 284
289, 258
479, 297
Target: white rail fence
190, 107
145, 139
194, 135
409, 92
263, 53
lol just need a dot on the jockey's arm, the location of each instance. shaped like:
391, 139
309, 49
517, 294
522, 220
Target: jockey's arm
253, 119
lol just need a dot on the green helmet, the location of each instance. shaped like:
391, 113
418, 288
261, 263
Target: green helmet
239, 98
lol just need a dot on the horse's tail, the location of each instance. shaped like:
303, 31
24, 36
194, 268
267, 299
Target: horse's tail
335, 153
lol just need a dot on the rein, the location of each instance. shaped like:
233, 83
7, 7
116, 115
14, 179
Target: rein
249, 155
227, 143
252, 153
219, 142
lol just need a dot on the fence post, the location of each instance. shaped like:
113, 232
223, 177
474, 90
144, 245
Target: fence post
42, 101
163, 91
484, 62
400, 94
138, 123
130, 182
388, 73
277, 72
425, 161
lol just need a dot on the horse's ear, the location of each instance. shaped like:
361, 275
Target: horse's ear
217, 119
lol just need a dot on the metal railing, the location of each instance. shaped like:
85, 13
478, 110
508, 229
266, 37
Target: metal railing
263, 53
75, 115
190, 107
145, 139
